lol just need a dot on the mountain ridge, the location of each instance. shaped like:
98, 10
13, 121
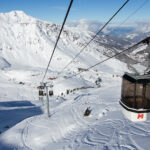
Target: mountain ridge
26, 38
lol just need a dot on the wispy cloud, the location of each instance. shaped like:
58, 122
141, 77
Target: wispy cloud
139, 26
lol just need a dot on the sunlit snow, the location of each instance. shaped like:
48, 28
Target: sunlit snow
26, 44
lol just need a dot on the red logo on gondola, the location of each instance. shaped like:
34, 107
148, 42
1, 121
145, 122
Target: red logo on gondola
140, 116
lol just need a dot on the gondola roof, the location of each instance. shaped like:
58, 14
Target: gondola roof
137, 78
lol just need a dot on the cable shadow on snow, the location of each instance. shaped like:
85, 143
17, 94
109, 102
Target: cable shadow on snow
13, 112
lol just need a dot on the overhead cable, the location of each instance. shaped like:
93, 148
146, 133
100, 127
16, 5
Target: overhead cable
143, 41
133, 13
95, 36
57, 39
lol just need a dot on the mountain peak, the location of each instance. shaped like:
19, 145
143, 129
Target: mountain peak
15, 16
17, 13
14, 13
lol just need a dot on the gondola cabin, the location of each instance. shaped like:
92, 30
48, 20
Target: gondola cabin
135, 97
41, 92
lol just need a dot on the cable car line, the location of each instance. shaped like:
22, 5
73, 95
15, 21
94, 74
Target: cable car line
147, 40
99, 32
43, 89
143, 41
95, 35
58, 38
133, 13
141, 6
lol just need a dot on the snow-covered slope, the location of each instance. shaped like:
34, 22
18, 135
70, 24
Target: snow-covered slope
25, 47
27, 41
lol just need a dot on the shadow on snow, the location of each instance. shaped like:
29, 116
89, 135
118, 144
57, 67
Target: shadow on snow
14, 112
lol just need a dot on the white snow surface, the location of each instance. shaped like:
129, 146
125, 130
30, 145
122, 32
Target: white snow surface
25, 44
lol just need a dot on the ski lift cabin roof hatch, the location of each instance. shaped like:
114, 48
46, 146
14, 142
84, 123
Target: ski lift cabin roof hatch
135, 97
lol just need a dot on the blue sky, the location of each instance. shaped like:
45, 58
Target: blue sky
101, 10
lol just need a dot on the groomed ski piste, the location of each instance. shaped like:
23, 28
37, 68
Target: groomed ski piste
24, 124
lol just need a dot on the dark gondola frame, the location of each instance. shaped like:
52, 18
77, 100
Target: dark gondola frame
135, 93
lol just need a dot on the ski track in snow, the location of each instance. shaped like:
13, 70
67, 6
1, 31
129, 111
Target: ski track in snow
67, 129
98, 131
24, 137
24, 123
107, 134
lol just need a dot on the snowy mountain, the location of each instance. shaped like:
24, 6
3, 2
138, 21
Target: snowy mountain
26, 38
126, 35
130, 31
141, 30
25, 47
